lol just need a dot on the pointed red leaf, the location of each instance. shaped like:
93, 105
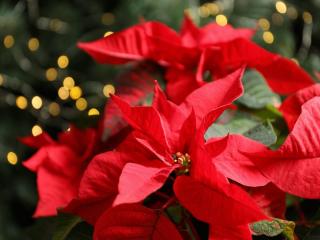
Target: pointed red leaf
235, 165
225, 204
134, 87
282, 75
150, 124
37, 141
58, 178
210, 34
180, 84
271, 199
295, 166
129, 44
98, 187
133, 221
215, 94
137, 181
291, 107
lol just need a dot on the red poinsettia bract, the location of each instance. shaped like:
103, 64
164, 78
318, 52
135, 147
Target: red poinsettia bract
291, 107
59, 166
169, 133
214, 49
294, 167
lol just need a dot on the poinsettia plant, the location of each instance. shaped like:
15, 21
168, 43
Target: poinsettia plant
205, 138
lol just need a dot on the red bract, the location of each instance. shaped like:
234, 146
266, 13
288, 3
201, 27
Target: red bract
282, 75
211, 34
168, 133
291, 107
294, 167
133, 221
166, 130
59, 166
135, 87
215, 49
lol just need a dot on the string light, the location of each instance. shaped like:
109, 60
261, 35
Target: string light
63, 93
307, 17
12, 158
51, 74
63, 61
21, 102
108, 89
75, 92
204, 11
36, 102
68, 82
213, 8
264, 24
93, 112
36, 130
268, 37
107, 18
81, 104
54, 109
56, 25
108, 34
33, 44
221, 20
8, 41
281, 7
1, 79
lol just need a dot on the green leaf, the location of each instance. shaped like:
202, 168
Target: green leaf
263, 133
240, 123
245, 124
257, 94
273, 228
65, 223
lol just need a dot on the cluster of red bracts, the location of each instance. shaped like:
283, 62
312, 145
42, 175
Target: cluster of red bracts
163, 158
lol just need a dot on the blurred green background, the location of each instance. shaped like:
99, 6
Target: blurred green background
46, 82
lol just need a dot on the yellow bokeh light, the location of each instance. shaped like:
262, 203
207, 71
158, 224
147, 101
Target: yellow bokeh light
93, 112
108, 33
51, 74
54, 109
307, 17
33, 44
68, 82
204, 11
108, 89
21, 102
213, 8
281, 7
1, 79
8, 41
264, 24
36, 130
63, 61
36, 102
221, 20
12, 158
81, 104
107, 18
75, 92
268, 37
63, 93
